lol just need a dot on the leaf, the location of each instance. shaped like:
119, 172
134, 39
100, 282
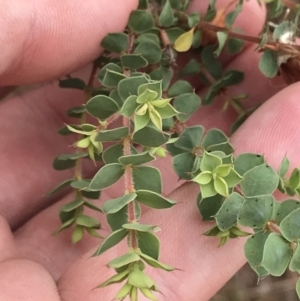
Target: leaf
234, 46
254, 249
77, 234
133, 61
256, 212
155, 263
87, 221
277, 255
163, 73
92, 206
124, 260
108, 67
149, 244
150, 51
209, 162
147, 37
289, 226
191, 68
140, 21
140, 227
268, 64
187, 104
190, 138
115, 134
113, 239
65, 225
226, 217
193, 19
118, 219
72, 205
112, 153
115, 42
101, 106
211, 63
153, 199
284, 209
166, 17
183, 165
136, 159
118, 278
298, 288
294, 180
214, 137
208, 207
260, 180
123, 292
232, 179
180, 87
148, 294
106, 176
295, 261
140, 121
139, 279
221, 186
147, 178
115, 205
150, 137
247, 161
284, 167
184, 42
66, 161
112, 78
60, 186
222, 38
73, 83
129, 86
116, 97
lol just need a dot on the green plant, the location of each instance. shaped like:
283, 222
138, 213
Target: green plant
141, 86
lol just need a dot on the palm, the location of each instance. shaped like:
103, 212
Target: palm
29, 143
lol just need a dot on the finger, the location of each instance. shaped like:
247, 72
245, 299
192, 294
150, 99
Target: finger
47, 39
273, 129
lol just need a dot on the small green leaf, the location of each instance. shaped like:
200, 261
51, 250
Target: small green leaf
187, 104
101, 106
124, 260
140, 21
118, 278
156, 119
115, 42
155, 263
92, 206
294, 181
208, 207
114, 152
203, 178
226, 217
277, 255
191, 68
66, 161
247, 161
112, 78
129, 107
268, 63
295, 261
65, 225
211, 63
115, 134
256, 212
73, 83
60, 186
147, 37
234, 45
153, 199
184, 42
260, 180
289, 226
115, 205
190, 138
87, 221
183, 165
106, 176
163, 73
284, 209
208, 190
166, 18
106, 68
232, 179
77, 234
221, 186
141, 176
139, 279
140, 227
222, 38
150, 137
113, 239
123, 292
284, 167
150, 51
72, 205
149, 244
209, 162
254, 249
129, 86
193, 19
133, 61
180, 87
174, 33
136, 159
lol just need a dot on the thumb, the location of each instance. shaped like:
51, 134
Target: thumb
46, 39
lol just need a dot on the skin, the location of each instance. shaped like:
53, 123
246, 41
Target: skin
48, 39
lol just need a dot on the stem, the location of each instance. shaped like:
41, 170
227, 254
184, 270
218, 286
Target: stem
129, 187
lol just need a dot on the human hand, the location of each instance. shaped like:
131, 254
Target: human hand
45, 40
